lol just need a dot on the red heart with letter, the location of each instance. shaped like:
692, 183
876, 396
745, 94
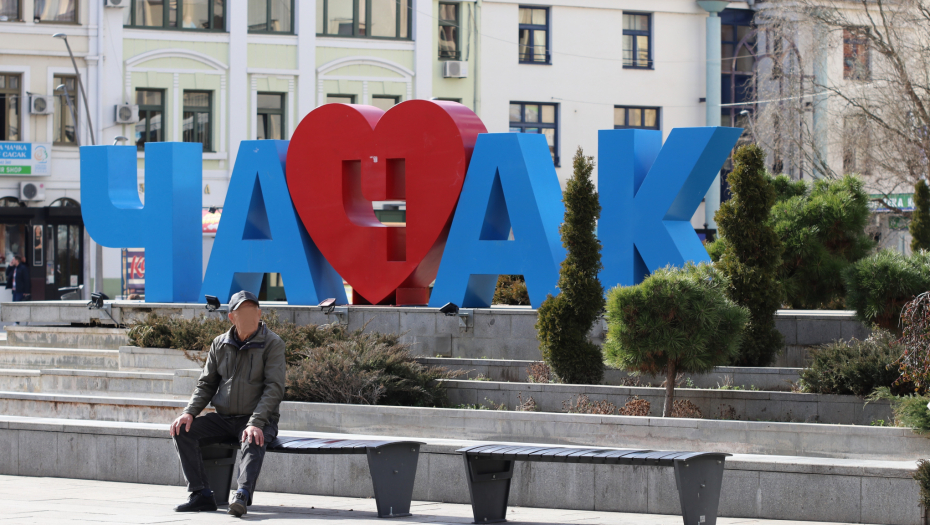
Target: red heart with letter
342, 157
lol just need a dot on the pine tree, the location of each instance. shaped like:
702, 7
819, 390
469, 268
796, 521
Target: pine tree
752, 254
565, 320
920, 223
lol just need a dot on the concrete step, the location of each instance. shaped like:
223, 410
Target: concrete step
38, 357
750, 437
96, 382
754, 486
134, 357
88, 337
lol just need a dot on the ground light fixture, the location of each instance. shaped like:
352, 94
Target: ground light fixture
213, 303
120, 139
449, 309
328, 305
97, 303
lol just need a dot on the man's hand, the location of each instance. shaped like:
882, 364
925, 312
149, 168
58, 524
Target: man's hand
184, 421
253, 435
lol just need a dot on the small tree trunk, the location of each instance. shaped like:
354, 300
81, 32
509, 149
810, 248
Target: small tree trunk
669, 389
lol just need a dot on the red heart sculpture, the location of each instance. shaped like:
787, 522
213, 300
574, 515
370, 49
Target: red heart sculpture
342, 157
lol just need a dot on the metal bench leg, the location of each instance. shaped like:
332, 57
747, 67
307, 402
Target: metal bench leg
489, 487
699, 482
393, 470
219, 461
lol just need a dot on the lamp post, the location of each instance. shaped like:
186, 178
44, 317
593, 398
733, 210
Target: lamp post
98, 250
712, 199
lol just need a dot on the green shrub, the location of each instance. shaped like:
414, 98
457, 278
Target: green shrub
879, 286
716, 248
565, 320
854, 367
676, 320
922, 477
511, 289
920, 222
752, 255
908, 411
822, 230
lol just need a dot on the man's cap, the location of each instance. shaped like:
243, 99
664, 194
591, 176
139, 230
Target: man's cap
240, 297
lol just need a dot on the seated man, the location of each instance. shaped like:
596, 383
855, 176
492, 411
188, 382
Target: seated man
244, 379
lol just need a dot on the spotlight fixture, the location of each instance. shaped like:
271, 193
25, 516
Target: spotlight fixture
212, 209
328, 305
119, 139
213, 304
96, 300
449, 309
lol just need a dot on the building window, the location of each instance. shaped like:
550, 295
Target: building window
196, 120
10, 102
10, 11
628, 117
534, 35
856, 145
637, 41
531, 117
856, 64
737, 64
191, 15
271, 16
150, 127
60, 11
66, 113
340, 99
364, 18
270, 116
384, 102
449, 31
447, 99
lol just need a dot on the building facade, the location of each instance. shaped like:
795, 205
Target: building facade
222, 71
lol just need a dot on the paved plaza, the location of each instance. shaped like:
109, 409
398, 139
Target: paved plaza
59, 500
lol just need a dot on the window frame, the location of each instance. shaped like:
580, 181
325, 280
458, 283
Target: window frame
268, 111
458, 33
207, 148
536, 27
355, 21
349, 95
853, 36
637, 32
152, 107
75, 22
268, 21
164, 22
626, 117
523, 124
75, 103
18, 93
395, 98
19, 13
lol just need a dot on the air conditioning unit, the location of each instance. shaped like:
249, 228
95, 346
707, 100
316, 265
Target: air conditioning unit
116, 3
126, 114
454, 69
31, 191
41, 105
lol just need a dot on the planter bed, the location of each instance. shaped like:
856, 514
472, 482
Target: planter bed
714, 404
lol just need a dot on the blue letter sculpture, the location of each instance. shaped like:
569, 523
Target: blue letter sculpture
168, 226
509, 172
260, 232
648, 194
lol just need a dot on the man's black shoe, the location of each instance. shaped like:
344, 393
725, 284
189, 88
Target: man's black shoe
197, 503
237, 507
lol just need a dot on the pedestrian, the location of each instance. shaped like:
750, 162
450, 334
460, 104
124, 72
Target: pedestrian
244, 379
22, 284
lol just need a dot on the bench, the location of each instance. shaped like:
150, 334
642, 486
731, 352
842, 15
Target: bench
489, 468
392, 464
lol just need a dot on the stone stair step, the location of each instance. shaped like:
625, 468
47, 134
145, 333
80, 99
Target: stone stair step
53, 357
96, 382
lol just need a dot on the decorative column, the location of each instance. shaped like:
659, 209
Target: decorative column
237, 82
424, 51
821, 47
712, 199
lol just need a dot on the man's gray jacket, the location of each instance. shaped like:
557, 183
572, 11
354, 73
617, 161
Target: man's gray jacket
246, 380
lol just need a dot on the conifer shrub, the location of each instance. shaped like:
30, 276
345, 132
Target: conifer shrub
751, 257
822, 230
511, 289
854, 367
879, 286
676, 320
565, 320
920, 222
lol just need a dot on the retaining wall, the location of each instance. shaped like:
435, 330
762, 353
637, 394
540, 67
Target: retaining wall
753, 486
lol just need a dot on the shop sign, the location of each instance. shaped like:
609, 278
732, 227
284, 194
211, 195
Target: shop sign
25, 158
210, 220
303, 208
901, 201
133, 271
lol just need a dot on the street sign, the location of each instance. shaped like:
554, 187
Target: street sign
25, 158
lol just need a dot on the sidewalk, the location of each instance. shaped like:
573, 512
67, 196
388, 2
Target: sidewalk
58, 500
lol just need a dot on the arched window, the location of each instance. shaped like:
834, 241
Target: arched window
65, 202
10, 202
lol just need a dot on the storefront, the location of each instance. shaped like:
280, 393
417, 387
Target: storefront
51, 240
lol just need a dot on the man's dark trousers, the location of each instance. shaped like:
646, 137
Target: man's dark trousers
215, 428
